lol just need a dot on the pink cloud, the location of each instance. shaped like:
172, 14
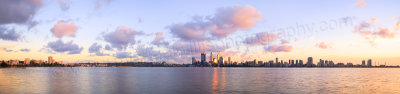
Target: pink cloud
278, 48
64, 29
261, 38
370, 31
159, 40
223, 23
121, 37
196, 47
323, 45
228, 19
361, 3
229, 53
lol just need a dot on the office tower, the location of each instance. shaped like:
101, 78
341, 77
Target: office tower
292, 62
218, 57
321, 63
229, 60
203, 58
211, 58
309, 62
297, 63
193, 61
301, 63
331, 64
50, 60
221, 60
369, 63
27, 61
363, 63
276, 62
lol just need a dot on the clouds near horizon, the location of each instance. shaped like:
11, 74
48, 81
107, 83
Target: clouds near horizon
61, 47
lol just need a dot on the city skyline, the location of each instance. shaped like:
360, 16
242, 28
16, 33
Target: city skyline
176, 31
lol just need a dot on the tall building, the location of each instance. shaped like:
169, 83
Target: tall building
221, 60
276, 60
193, 61
229, 60
50, 60
203, 58
27, 61
218, 57
301, 64
211, 58
369, 64
309, 62
363, 63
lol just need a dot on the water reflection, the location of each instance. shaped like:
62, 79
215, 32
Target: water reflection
197, 80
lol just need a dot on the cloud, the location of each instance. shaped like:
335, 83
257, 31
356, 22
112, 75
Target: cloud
261, 38
95, 48
61, 47
18, 11
108, 47
122, 37
196, 30
278, 48
370, 30
64, 29
64, 4
361, 3
122, 55
7, 50
229, 53
223, 23
323, 45
25, 50
159, 40
284, 41
196, 47
228, 19
100, 3
9, 34
151, 54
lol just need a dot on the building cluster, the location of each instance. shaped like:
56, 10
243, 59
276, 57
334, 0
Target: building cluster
29, 61
219, 61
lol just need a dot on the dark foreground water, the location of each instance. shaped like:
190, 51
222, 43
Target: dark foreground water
186, 80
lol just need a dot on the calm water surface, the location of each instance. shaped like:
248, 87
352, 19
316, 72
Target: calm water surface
186, 80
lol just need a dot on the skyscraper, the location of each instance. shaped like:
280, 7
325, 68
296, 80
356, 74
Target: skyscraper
369, 63
193, 61
203, 58
221, 60
211, 58
50, 60
363, 63
27, 61
309, 62
229, 60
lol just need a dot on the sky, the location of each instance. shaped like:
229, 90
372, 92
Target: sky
76, 31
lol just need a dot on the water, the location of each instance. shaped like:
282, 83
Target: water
187, 80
